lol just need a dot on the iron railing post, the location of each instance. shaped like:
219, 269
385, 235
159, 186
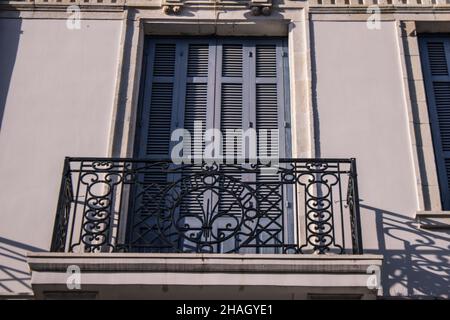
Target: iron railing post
58, 240
356, 211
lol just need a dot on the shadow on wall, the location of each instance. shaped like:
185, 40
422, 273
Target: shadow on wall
10, 31
420, 263
12, 253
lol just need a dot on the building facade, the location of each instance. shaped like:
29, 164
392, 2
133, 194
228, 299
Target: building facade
354, 94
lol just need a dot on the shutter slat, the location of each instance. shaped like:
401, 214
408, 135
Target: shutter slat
447, 170
231, 119
442, 99
164, 61
231, 114
266, 57
232, 60
195, 111
160, 117
267, 118
436, 56
198, 60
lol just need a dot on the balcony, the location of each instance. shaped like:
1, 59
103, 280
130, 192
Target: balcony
296, 219
128, 205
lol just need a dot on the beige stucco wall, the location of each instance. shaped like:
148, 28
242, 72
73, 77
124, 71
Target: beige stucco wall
58, 95
361, 112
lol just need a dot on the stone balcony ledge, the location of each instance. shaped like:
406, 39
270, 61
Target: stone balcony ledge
201, 262
204, 276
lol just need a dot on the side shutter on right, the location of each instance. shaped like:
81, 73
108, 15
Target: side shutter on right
435, 53
268, 68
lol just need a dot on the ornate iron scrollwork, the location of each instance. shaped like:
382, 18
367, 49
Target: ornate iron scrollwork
208, 207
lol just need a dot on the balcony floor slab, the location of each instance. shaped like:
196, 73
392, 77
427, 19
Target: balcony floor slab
204, 276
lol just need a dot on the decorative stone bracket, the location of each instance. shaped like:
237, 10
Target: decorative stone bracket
257, 7
172, 6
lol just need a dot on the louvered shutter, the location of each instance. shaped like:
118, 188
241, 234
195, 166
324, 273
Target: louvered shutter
157, 120
199, 72
177, 90
158, 111
178, 87
230, 118
198, 94
230, 92
224, 83
435, 53
250, 93
269, 115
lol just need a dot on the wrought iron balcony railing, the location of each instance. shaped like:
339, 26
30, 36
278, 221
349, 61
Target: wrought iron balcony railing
131, 205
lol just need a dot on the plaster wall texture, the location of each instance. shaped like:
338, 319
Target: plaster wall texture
56, 100
361, 112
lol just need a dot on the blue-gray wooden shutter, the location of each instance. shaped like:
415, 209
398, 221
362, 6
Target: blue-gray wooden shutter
435, 53
157, 120
197, 94
250, 89
229, 91
267, 117
198, 79
269, 102
229, 115
158, 112
177, 90
228, 84
178, 87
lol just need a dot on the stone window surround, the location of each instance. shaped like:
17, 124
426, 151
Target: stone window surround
430, 214
140, 23
293, 24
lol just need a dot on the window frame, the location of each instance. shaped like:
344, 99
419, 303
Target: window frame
284, 119
428, 80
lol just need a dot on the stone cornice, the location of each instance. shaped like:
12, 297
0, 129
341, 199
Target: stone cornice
316, 5
384, 6
62, 5
92, 4
170, 7
256, 7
